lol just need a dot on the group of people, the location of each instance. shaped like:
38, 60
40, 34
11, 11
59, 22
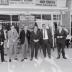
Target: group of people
32, 41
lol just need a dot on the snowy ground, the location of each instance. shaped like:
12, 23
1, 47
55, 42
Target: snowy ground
42, 65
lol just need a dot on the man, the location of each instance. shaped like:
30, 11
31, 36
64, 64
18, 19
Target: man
12, 42
61, 38
24, 36
2, 38
46, 41
35, 38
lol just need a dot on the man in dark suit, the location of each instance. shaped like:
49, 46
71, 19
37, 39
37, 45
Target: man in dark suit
35, 38
24, 40
61, 38
2, 38
46, 41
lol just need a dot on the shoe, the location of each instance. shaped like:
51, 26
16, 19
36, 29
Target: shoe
31, 59
25, 58
22, 60
49, 57
35, 59
58, 57
3, 61
16, 59
9, 60
64, 58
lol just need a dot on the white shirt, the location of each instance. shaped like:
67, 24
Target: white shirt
60, 30
45, 35
5, 34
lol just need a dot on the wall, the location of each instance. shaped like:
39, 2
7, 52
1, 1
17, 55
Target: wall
66, 20
61, 3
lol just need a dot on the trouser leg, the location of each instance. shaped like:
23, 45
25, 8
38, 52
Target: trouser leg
32, 52
59, 49
25, 49
15, 50
44, 51
36, 50
63, 52
2, 53
22, 50
10, 51
49, 50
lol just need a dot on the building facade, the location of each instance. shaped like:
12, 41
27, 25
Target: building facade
50, 12
27, 12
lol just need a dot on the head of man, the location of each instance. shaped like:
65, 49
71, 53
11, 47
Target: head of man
59, 27
35, 29
43, 26
12, 28
0, 27
25, 28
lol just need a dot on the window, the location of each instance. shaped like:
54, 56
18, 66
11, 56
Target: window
46, 17
56, 17
28, 1
5, 17
15, 18
37, 16
4, 2
15, 1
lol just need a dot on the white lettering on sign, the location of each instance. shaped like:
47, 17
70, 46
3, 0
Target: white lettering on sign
47, 2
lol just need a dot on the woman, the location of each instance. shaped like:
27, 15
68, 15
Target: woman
35, 38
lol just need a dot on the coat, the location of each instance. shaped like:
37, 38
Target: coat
34, 36
22, 36
2, 37
49, 36
63, 34
12, 37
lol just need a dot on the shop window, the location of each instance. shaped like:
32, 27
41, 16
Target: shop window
5, 17
15, 18
37, 16
4, 2
46, 17
56, 17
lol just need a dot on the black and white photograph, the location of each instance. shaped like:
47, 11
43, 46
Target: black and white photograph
35, 35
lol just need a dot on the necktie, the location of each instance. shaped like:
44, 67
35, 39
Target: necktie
44, 33
13, 33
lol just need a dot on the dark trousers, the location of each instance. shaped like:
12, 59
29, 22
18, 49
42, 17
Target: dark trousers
2, 52
46, 47
67, 42
34, 48
61, 49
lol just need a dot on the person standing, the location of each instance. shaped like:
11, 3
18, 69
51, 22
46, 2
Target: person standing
35, 38
24, 35
2, 38
61, 38
12, 42
46, 41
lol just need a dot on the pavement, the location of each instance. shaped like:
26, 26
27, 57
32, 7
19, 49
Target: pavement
40, 65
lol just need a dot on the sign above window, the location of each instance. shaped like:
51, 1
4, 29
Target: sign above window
47, 2
20, 1
4, 2
15, 1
